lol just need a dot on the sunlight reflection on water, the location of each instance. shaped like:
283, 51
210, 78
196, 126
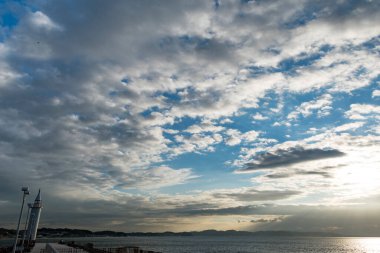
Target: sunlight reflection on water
370, 245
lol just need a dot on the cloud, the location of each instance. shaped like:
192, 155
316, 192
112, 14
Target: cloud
266, 220
204, 127
40, 20
322, 105
362, 111
236, 137
233, 141
202, 142
259, 116
324, 171
255, 195
349, 127
281, 157
324, 174
156, 178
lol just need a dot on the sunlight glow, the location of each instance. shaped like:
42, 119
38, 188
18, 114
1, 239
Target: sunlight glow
358, 180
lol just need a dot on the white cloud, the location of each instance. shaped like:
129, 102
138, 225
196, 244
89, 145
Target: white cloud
349, 126
321, 105
233, 141
250, 136
363, 111
376, 93
7, 74
40, 20
204, 127
218, 138
236, 137
171, 131
259, 116
197, 142
226, 121
335, 33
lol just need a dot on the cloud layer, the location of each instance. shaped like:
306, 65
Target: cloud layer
152, 107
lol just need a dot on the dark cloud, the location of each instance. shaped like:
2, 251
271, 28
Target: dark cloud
263, 220
324, 171
284, 157
254, 195
318, 173
238, 210
324, 174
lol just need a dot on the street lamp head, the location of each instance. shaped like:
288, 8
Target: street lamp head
25, 190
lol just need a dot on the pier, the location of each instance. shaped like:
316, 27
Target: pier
72, 247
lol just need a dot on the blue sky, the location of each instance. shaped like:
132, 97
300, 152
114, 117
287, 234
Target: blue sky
191, 115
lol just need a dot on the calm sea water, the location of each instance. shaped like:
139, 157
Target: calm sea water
205, 244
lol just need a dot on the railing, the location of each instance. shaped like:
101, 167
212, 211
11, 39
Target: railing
72, 250
90, 249
122, 250
51, 249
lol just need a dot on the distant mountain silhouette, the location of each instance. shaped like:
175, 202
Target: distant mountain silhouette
67, 232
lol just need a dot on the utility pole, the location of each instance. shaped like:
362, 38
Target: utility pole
26, 192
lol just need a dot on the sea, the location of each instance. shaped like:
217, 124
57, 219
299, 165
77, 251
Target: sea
238, 244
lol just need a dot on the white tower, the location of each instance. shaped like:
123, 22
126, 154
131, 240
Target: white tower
34, 218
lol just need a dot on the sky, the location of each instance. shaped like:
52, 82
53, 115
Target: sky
192, 115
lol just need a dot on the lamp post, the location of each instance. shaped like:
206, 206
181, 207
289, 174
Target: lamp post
26, 224
26, 192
